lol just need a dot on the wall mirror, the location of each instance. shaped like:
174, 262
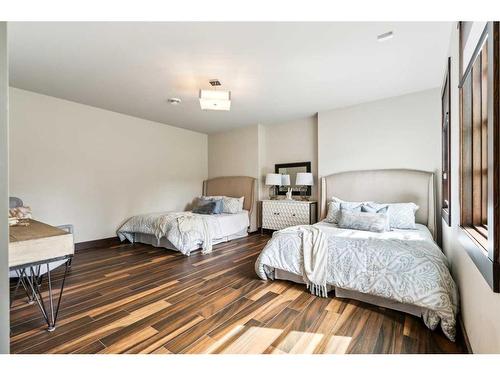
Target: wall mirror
292, 169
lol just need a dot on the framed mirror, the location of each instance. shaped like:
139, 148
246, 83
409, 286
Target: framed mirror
292, 169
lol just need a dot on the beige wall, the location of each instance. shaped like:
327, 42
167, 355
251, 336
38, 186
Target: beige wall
289, 142
94, 168
399, 132
480, 307
235, 153
4, 188
254, 150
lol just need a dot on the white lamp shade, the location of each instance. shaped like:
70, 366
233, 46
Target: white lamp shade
285, 180
273, 179
215, 100
304, 179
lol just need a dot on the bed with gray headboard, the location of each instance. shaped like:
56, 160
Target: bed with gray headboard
388, 269
165, 229
384, 185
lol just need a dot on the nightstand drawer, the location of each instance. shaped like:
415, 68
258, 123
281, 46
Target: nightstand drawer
278, 215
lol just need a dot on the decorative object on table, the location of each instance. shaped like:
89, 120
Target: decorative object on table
304, 180
292, 169
285, 181
15, 202
273, 180
280, 214
20, 213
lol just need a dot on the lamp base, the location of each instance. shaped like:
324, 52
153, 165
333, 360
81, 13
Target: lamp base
272, 193
303, 192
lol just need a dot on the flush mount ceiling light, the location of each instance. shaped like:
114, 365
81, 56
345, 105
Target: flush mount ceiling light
215, 100
385, 36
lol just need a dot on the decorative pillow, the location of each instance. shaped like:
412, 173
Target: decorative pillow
219, 203
377, 210
368, 221
207, 208
401, 215
233, 205
334, 209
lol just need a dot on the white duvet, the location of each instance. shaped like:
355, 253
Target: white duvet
171, 225
405, 266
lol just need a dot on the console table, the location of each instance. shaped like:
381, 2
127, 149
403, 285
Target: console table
33, 246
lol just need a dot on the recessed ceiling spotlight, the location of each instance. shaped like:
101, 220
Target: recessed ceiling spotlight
385, 36
174, 101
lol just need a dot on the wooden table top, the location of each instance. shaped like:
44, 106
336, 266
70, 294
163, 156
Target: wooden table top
38, 242
35, 230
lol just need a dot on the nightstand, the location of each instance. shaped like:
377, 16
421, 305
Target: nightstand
280, 214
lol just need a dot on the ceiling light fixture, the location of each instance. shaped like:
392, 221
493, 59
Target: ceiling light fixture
385, 36
215, 100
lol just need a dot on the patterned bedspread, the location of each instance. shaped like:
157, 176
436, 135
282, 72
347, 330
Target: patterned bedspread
408, 271
166, 224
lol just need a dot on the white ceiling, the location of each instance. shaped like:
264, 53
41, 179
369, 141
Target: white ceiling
275, 71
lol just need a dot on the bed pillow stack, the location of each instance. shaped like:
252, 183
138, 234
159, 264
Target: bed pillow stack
395, 215
228, 205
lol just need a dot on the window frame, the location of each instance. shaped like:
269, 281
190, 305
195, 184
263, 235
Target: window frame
446, 144
485, 252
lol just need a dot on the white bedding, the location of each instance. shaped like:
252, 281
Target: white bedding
405, 266
165, 226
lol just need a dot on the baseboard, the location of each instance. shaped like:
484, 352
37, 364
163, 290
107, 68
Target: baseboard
463, 332
103, 242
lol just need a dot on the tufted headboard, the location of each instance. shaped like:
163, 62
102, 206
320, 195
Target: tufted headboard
235, 186
384, 185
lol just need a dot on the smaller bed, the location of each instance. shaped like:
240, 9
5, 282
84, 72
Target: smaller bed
186, 231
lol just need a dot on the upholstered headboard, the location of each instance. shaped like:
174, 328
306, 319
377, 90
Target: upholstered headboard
235, 186
384, 185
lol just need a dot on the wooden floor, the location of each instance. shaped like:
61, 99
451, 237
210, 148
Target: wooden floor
141, 299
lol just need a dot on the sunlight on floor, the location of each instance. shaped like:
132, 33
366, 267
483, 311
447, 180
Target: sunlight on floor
257, 340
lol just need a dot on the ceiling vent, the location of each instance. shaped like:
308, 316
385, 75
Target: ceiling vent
385, 36
174, 101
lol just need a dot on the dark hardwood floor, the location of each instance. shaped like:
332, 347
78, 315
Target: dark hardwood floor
141, 299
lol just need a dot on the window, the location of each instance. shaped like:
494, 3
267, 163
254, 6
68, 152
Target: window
445, 128
479, 161
474, 97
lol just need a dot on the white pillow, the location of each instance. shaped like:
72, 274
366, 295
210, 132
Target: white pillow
333, 214
368, 221
401, 215
232, 205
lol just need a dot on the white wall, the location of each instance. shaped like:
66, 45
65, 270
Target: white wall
399, 132
93, 168
480, 307
289, 142
235, 153
4, 192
